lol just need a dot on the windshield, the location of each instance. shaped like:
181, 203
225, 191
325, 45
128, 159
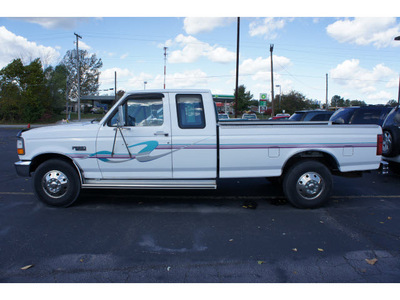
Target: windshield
296, 116
342, 116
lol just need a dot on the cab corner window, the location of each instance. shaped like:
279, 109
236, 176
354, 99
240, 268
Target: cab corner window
190, 111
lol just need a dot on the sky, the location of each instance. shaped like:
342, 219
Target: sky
359, 53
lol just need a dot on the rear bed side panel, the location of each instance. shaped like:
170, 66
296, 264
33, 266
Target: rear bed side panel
262, 150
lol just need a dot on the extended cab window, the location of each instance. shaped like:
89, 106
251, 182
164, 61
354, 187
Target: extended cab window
190, 111
141, 112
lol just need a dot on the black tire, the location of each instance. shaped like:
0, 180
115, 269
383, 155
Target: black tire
394, 167
307, 184
56, 183
390, 148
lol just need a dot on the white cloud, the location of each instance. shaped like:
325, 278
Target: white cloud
267, 27
123, 56
53, 23
369, 83
107, 77
365, 31
193, 49
350, 73
187, 79
83, 46
380, 97
260, 68
255, 74
127, 80
198, 25
14, 46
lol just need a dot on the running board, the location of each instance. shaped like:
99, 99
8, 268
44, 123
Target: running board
149, 184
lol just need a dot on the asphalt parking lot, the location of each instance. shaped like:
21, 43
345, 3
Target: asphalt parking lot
242, 232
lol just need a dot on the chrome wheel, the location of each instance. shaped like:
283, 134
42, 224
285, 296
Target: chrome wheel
310, 185
387, 142
55, 183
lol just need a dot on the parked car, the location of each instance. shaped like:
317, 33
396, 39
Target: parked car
391, 134
223, 116
372, 114
97, 110
249, 117
280, 117
311, 115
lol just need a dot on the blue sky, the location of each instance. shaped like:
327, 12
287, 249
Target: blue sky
358, 54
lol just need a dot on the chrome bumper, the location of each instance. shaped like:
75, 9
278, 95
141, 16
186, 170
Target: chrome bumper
23, 168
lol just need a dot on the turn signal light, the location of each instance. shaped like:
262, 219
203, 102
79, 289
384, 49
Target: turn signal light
20, 146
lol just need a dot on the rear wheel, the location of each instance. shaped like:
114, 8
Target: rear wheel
307, 184
389, 147
56, 183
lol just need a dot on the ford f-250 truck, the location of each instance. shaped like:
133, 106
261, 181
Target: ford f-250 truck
172, 139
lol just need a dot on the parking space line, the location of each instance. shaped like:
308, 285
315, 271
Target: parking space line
16, 193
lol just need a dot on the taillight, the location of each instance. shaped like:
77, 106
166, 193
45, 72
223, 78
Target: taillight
20, 146
379, 145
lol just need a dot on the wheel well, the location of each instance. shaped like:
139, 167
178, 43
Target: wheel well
328, 160
38, 160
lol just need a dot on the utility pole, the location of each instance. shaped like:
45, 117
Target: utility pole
115, 86
79, 76
237, 67
326, 97
271, 49
165, 64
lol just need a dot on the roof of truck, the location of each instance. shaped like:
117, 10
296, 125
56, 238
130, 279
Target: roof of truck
170, 91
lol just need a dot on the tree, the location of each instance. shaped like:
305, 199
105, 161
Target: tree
24, 95
296, 101
35, 96
337, 101
244, 99
392, 103
89, 73
57, 84
358, 103
10, 90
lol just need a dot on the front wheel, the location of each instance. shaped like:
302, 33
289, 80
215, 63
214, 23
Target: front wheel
56, 183
307, 184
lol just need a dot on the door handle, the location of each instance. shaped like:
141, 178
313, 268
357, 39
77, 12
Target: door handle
161, 133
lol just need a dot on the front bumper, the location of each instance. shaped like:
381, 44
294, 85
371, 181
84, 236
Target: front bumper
23, 167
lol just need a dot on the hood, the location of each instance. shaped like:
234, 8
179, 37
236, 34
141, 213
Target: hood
71, 130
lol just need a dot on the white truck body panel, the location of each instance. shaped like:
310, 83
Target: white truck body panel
167, 151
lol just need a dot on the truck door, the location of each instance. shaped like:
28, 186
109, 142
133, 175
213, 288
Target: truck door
194, 140
139, 147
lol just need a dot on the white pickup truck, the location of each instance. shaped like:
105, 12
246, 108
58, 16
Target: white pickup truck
172, 139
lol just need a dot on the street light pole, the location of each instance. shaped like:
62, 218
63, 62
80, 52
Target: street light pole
144, 84
280, 95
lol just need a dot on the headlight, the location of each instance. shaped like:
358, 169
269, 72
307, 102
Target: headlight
20, 146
